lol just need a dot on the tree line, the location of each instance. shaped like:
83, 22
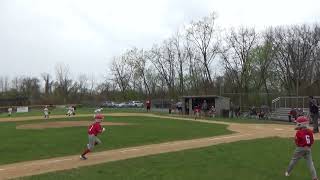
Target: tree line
249, 66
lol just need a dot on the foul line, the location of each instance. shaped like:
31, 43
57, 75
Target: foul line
133, 149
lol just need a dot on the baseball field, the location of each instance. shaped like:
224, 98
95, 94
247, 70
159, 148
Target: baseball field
147, 146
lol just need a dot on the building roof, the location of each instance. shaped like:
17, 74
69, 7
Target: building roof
205, 96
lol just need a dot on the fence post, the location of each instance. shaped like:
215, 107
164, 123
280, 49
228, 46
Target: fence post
285, 102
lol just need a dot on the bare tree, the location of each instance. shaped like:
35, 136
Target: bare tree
202, 33
121, 72
295, 47
237, 56
163, 59
82, 84
47, 83
138, 61
181, 59
63, 81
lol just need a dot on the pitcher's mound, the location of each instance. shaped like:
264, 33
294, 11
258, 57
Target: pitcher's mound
62, 124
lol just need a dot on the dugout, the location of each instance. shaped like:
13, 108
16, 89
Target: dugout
221, 104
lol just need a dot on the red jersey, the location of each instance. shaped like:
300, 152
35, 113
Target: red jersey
304, 137
95, 129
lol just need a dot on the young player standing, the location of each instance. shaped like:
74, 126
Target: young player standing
93, 131
46, 112
148, 105
197, 111
304, 140
9, 111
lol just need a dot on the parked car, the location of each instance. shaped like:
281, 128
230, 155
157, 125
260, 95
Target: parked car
138, 104
123, 105
109, 104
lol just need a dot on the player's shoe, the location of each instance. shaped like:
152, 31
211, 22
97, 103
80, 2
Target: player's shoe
82, 157
286, 174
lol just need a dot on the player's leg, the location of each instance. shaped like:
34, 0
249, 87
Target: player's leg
298, 153
89, 148
308, 157
314, 117
97, 141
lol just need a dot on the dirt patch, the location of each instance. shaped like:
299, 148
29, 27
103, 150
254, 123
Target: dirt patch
62, 124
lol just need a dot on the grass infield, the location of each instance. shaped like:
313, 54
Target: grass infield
263, 159
22, 145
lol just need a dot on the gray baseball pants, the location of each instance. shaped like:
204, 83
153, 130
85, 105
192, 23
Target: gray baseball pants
92, 141
306, 154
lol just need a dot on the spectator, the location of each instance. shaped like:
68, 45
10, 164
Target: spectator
238, 111
172, 107
212, 111
253, 111
232, 109
204, 107
314, 113
292, 114
261, 114
148, 105
179, 107
300, 112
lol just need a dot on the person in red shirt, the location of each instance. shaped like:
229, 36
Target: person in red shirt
292, 114
93, 131
148, 105
304, 140
197, 110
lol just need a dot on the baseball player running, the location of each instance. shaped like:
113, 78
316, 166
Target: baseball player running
304, 140
93, 131
70, 111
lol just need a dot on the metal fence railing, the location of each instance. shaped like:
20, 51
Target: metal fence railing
292, 102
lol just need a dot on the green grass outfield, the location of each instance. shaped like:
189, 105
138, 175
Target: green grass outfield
264, 159
22, 145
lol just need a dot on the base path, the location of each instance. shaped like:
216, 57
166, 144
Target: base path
242, 132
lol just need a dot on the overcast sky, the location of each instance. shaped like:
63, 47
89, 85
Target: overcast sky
35, 35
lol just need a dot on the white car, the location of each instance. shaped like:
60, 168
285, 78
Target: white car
123, 105
137, 104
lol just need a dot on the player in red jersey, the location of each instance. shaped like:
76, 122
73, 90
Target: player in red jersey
304, 140
148, 105
197, 110
93, 131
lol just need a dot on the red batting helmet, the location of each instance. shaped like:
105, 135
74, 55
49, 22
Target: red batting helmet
302, 122
99, 117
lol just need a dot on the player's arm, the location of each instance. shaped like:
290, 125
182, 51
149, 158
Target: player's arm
100, 129
311, 137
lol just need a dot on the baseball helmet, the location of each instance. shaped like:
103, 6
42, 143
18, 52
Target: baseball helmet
99, 117
302, 122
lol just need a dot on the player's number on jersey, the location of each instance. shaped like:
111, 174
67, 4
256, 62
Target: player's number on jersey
308, 139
